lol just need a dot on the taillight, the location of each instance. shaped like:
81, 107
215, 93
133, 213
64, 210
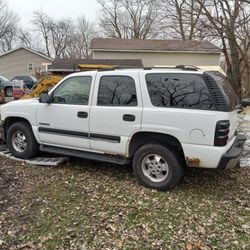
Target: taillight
221, 133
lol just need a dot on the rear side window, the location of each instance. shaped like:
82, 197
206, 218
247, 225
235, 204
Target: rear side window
117, 91
179, 91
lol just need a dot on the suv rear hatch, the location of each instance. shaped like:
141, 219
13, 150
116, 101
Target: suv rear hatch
226, 101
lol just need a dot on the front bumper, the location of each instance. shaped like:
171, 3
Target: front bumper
232, 157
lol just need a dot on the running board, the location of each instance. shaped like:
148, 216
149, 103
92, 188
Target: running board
85, 155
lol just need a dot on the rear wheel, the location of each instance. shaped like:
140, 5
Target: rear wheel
9, 92
21, 141
156, 166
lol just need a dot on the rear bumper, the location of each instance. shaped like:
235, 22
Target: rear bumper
232, 157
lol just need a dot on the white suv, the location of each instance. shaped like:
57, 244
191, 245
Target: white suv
160, 119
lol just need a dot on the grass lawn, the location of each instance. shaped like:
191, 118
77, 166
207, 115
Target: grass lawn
88, 205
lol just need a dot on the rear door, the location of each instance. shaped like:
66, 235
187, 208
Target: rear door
116, 111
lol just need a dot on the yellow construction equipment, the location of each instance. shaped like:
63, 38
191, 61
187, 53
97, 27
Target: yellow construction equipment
43, 85
86, 67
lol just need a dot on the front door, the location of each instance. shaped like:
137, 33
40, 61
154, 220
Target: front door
65, 121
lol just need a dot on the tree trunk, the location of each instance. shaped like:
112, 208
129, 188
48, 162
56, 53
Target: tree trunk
234, 74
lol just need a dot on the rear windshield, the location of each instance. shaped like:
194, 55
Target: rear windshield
228, 92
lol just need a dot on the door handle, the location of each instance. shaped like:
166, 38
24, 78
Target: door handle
129, 118
82, 114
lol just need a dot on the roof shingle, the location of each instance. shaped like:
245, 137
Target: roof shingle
153, 45
72, 64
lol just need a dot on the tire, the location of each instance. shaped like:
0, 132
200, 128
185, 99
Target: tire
21, 141
9, 91
157, 167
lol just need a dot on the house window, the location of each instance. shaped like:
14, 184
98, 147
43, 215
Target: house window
30, 66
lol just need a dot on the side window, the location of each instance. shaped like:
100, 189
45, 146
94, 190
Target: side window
179, 91
73, 91
117, 91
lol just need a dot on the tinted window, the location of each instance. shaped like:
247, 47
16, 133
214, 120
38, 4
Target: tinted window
228, 93
117, 91
73, 90
179, 91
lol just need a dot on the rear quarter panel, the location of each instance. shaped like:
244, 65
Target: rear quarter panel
195, 129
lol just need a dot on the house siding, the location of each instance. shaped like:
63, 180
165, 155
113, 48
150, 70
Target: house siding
16, 63
151, 59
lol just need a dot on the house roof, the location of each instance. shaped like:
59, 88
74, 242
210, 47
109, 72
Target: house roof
71, 65
30, 50
113, 44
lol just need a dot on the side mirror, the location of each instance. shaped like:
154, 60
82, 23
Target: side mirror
245, 102
45, 98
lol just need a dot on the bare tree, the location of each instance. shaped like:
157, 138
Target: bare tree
224, 20
8, 27
24, 38
8, 40
183, 19
61, 36
42, 24
243, 36
129, 18
80, 42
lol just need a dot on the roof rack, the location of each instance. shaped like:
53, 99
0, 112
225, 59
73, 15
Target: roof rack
118, 67
187, 67
181, 67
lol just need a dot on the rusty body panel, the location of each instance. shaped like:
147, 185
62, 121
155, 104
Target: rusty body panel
193, 162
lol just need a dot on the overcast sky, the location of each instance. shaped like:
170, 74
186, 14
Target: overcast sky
54, 8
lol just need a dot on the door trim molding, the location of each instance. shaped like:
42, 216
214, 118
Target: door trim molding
109, 138
91, 136
63, 132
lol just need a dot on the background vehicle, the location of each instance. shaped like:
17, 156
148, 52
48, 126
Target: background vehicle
29, 81
7, 86
161, 120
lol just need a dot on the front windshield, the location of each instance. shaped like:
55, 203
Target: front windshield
33, 78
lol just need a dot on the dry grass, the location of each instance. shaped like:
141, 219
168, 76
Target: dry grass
87, 205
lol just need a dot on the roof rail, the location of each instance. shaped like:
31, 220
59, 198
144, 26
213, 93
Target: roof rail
118, 67
187, 67
160, 67
181, 67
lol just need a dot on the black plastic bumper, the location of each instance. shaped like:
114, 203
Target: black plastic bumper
232, 157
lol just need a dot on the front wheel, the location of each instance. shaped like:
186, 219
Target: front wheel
21, 141
158, 167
